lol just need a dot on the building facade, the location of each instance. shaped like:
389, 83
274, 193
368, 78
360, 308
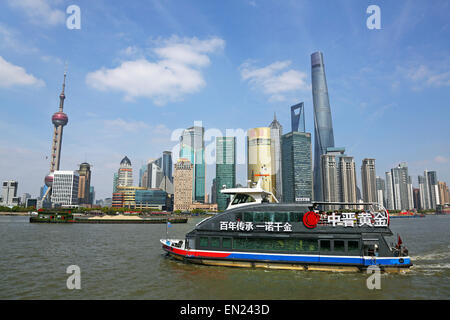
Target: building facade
65, 188
347, 181
368, 181
183, 185
225, 169
192, 148
259, 158
9, 192
323, 126
297, 167
401, 188
380, 188
125, 173
276, 132
84, 184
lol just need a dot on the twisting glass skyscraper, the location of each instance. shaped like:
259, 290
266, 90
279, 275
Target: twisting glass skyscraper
323, 126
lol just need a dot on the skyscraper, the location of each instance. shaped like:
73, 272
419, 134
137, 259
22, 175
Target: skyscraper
433, 188
84, 183
402, 187
225, 169
330, 183
276, 131
347, 180
125, 173
115, 181
389, 192
167, 165
298, 119
259, 157
323, 127
183, 185
368, 180
381, 187
192, 147
59, 120
154, 173
297, 167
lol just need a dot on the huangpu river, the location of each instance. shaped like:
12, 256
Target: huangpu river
125, 261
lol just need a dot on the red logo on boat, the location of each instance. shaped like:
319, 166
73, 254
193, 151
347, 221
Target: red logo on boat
310, 219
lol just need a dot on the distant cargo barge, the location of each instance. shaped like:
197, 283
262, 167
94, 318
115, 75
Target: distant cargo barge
46, 217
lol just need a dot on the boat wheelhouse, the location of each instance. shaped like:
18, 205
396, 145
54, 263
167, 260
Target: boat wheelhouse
292, 236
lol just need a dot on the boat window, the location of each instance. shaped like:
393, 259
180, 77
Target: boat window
268, 216
281, 216
242, 198
299, 245
238, 216
215, 242
353, 246
295, 216
325, 245
258, 216
226, 243
339, 245
203, 241
248, 216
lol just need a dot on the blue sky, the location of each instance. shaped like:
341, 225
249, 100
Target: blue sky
139, 71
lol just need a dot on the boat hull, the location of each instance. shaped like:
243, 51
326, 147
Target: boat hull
288, 261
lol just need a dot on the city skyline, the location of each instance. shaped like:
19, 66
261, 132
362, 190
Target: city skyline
235, 83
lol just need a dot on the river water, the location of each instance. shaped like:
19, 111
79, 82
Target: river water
125, 261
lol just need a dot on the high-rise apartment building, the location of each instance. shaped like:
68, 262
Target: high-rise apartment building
276, 131
259, 158
192, 147
225, 169
183, 185
380, 191
84, 184
347, 180
389, 192
297, 167
400, 185
433, 188
330, 178
368, 181
65, 188
323, 126
9, 192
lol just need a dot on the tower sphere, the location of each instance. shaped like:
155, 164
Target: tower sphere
60, 119
49, 179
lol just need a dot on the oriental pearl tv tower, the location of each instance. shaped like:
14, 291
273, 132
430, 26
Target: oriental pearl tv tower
59, 120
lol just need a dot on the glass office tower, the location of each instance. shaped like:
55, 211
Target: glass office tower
323, 127
297, 167
225, 168
192, 147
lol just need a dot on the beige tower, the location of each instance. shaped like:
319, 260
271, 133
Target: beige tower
259, 158
182, 183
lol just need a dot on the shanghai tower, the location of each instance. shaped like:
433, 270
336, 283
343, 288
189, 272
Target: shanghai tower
323, 126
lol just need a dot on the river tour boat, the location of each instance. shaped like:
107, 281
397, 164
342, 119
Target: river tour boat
291, 236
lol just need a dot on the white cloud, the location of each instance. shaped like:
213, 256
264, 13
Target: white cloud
175, 73
423, 76
275, 80
39, 11
122, 125
441, 159
12, 75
